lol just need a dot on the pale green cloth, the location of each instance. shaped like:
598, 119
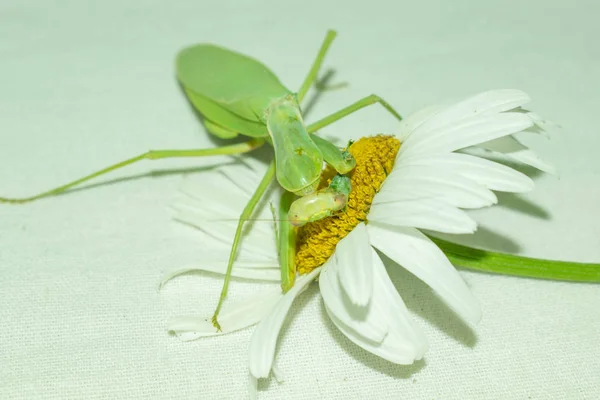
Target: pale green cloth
83, 86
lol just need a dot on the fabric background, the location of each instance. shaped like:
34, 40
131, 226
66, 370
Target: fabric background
87, 84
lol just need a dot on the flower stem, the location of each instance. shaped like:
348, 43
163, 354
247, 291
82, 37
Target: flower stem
508, 264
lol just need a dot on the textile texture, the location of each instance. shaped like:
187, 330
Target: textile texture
84, 85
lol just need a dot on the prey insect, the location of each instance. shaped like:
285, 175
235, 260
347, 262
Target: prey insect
321, 204
236, 94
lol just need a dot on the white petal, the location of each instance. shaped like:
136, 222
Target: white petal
252, 387
485, 172
468, 132
393, 350
213, 204
404, 342
255, 272
411, 182
277, 374
255, 243
366, 322
213, 192
264, 338
511, 147
243, 177
541, 124
214, 210
419, 255
409, 124
234, 317
401, 324
425, 120
486, 103
429, 214
353, 257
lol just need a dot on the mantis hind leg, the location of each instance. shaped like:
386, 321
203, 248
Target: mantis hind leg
362, 103
246, 214
150, 155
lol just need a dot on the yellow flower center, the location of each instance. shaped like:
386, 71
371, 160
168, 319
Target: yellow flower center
316, 241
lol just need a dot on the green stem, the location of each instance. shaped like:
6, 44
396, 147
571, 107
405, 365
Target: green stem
508, 264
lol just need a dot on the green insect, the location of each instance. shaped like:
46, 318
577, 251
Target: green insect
239, 95
321, 204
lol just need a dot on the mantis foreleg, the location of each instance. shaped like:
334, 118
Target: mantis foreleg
286, 243
341, 160
150, 155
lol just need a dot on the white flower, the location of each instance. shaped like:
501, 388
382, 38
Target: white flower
434, 177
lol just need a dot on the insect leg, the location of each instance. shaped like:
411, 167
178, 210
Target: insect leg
287, 243
362, 103
322, 86
314, 69
150, 155
246, 214
341, 160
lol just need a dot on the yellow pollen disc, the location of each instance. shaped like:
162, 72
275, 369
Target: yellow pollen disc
316, 241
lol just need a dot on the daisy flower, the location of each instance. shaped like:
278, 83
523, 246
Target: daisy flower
421, 178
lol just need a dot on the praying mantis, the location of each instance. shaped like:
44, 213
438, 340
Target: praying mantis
236, 94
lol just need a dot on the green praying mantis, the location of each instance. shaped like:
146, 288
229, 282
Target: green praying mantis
239, 95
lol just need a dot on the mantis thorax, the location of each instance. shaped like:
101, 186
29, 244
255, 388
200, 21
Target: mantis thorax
298, 160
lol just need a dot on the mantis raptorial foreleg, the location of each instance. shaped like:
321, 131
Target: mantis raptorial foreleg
286, 243
246, 214
341, 160
150, 155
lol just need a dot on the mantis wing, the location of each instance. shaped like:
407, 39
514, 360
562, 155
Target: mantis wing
232, 81
222, 117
